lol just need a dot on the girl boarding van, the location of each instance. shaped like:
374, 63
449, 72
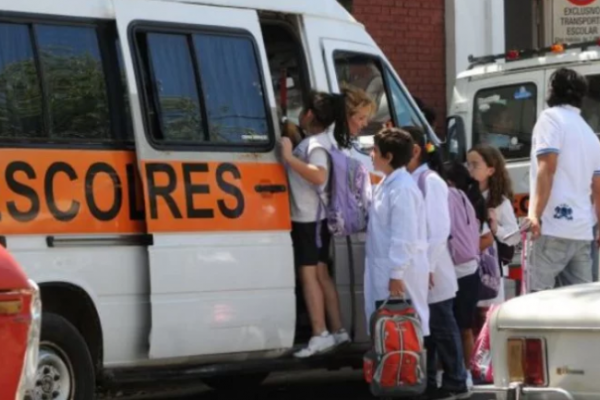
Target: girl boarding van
142, 191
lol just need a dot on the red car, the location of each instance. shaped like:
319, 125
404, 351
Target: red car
20, 325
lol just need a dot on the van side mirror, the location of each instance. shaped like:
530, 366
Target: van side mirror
456, 141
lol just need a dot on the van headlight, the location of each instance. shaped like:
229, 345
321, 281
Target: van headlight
28, 374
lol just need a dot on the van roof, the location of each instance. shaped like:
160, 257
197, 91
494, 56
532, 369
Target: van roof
331, 9
327, 9
516, 61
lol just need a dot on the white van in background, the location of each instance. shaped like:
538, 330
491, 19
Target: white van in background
497, 101
141, 187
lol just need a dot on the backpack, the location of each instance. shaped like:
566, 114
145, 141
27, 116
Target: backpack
396, 364
349, 191
464, 226
489, 274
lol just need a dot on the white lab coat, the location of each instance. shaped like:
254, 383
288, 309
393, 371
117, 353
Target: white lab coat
397, 244
445, 284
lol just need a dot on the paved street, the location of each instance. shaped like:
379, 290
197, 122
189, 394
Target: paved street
318, 385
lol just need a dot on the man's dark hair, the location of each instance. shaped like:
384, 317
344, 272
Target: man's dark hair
567, 87
396, 142
428, 112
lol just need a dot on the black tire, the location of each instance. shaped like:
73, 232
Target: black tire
237, 383
59, 338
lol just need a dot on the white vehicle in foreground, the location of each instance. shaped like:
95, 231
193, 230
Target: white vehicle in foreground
545, 345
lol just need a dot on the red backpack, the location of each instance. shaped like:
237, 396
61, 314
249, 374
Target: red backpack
396, 364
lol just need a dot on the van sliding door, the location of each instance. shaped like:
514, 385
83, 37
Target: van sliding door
216, 198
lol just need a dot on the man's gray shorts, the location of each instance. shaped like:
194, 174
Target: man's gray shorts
559, 262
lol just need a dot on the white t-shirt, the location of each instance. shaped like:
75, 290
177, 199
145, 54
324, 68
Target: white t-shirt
569, 213
304, 198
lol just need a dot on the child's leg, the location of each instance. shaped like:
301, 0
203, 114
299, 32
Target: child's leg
331, 298
332, 301
313, 296
445, 334
307, 258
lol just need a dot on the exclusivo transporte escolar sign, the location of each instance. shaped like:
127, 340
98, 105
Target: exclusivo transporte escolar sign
575, 20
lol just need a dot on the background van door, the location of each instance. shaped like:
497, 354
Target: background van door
216, 198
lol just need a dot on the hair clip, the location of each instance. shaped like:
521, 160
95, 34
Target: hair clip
429, 147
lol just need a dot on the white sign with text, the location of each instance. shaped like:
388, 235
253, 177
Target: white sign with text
575, 21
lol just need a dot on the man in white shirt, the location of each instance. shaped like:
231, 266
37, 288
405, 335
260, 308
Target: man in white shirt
564, 178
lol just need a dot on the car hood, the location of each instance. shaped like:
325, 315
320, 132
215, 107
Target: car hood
573, 307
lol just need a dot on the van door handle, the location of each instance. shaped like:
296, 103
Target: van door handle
268, 188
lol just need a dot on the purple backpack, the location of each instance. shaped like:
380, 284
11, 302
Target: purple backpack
464, 226
489, 274
350, 195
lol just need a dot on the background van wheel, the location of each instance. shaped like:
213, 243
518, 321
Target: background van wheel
65, 369
237, 383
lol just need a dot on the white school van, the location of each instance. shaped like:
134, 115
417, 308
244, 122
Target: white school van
142, 191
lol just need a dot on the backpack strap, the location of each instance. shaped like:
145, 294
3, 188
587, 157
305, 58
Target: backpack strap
421, 181
321, 209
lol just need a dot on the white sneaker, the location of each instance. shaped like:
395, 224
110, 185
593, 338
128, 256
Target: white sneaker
341, 337
316, 345
469, 380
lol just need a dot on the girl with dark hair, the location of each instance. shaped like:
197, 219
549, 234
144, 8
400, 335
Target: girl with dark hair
444, 342
465, 304
330, 119
487, 166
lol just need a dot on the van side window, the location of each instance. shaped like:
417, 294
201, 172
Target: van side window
365, 72
74, 82
21, 104
53, 87
590, 109
175, 87
405, 113
504, 117
204, 89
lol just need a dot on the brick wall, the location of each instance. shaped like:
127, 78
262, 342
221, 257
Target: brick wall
412, 35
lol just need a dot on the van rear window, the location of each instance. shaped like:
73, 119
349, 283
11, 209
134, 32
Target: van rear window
504, 118
52, 85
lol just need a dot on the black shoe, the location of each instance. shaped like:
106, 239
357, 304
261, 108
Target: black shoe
440, 394
462, 394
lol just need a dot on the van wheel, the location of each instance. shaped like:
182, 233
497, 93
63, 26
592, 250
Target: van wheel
65, 370
235, 383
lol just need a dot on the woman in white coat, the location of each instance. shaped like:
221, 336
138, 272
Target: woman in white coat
396, 250
444, 343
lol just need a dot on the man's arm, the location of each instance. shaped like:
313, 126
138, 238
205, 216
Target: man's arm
543, 186
596, 194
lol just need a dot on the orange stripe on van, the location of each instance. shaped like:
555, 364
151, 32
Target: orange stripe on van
214, 196
100, 192
69, 191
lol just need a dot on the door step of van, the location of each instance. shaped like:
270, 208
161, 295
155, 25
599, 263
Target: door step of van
347, 356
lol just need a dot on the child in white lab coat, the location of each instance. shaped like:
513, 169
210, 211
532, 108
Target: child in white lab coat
396, 250
444, 344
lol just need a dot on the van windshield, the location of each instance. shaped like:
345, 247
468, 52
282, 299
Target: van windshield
504, 118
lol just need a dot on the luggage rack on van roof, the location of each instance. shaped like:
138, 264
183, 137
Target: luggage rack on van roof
515, 55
